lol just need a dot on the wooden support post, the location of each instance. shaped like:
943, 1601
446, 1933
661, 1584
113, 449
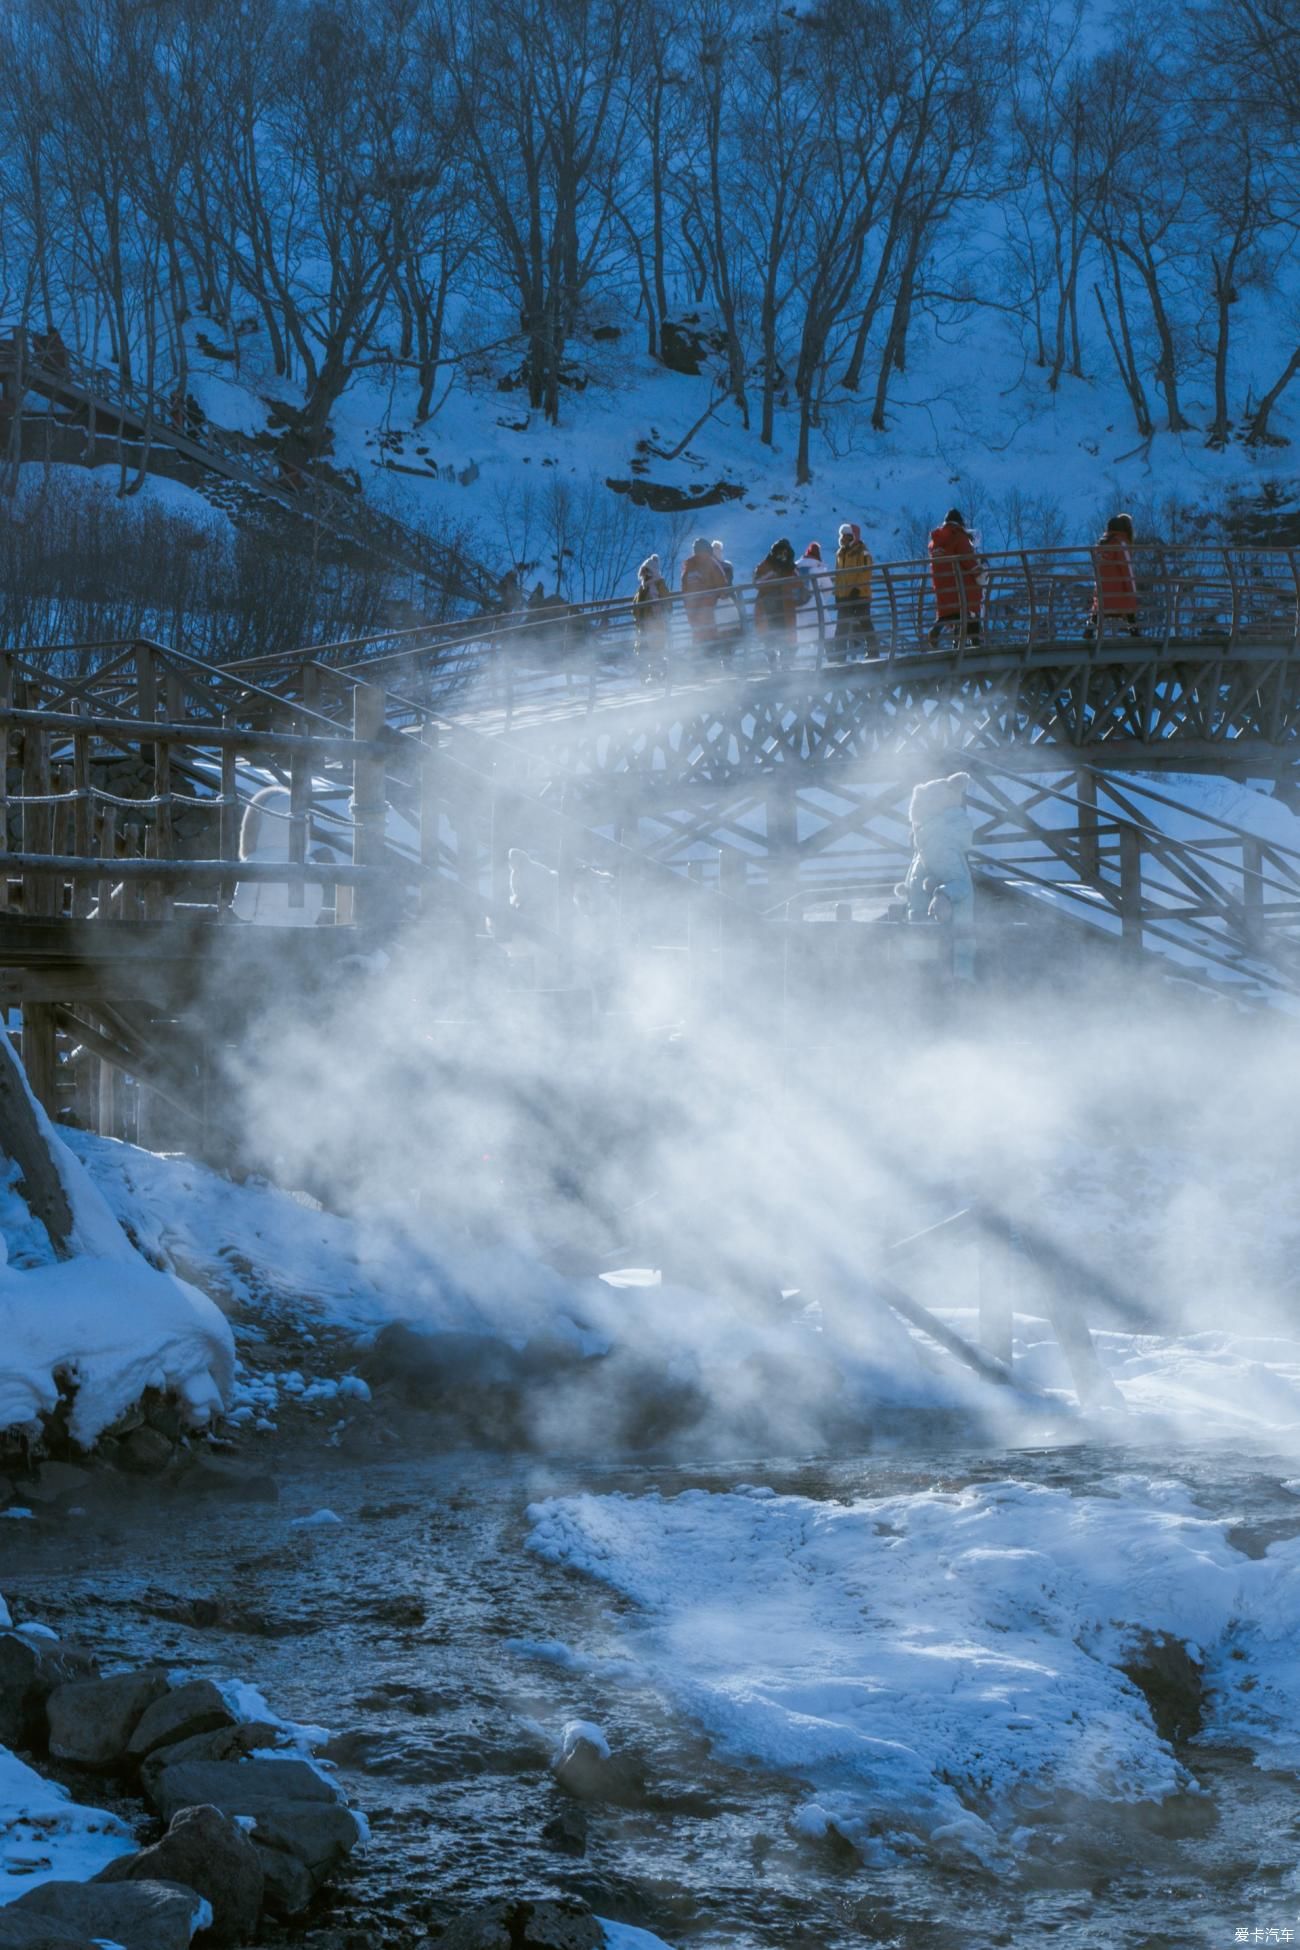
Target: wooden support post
146, 692
83, 825
164, 829
369, 807
1130, 887
1089, 836
300, 778
6, 699
1252, 892
38, 826
107, 851
39, 1054
228, 818
430, 826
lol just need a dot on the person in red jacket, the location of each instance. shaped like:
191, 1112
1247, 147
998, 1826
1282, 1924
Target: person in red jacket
955, 572
1116, 585
703, 581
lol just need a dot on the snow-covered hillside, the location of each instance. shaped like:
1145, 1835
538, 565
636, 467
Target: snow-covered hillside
572, 282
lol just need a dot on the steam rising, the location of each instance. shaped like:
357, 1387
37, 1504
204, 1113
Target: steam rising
765, 1153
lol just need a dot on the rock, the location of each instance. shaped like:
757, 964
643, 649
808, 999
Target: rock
57, 1482
567, 1831
145, 1452
138, 1915
1171, 1682
318, 1835
223, 1743
586, 1769
163, 1414
518, 1923
208, 1473
302, 1827
30, 1669
187, 1710
249, 1787
35, 1933
91, 1720
208, 1852
287, 1885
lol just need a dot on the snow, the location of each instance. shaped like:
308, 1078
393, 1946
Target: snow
45, 1836
930, 1666
625, 1936
575, 1731
104, 1319
252, 1242
114, 1331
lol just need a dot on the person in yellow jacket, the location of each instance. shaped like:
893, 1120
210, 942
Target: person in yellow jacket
853, 566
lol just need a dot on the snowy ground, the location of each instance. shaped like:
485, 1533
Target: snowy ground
939, 1668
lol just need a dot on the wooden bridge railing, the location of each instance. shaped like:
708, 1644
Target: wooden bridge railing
136, 421
1189, 601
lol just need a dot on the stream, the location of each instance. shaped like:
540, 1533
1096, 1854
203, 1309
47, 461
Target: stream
395, 1628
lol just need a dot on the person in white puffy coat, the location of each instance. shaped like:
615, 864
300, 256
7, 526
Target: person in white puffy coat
939, 881
816, 600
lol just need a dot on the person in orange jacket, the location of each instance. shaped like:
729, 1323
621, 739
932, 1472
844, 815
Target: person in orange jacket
776, 602
955, 573
1116, 584
703, 581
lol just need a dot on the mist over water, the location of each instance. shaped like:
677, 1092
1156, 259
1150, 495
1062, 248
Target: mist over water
1126, 1142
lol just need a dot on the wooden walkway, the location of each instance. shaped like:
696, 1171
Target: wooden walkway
707, 816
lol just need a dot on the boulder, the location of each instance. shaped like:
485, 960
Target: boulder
249, 1787
320, 1834
287, 1884
30, 1669
223, 1743
208, 1852
587, 1770
91, 1720
145, 1452
138, 1915
196, 1707
302, 1828
519, 1923
35, 1933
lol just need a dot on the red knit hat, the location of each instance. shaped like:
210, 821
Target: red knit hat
815, 550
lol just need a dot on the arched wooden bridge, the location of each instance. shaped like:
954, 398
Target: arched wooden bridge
725, 799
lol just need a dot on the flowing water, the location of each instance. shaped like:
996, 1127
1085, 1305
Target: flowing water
393, 1628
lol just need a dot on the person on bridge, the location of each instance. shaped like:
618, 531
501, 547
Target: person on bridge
730, 613
853, 567
1116, 593
815, 598
938, 886
956, 573
703, 581
650, 607
776, 597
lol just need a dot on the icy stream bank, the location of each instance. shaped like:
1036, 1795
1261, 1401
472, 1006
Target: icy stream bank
452, 1656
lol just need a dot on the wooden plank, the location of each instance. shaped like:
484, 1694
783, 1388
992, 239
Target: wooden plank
300, 783
229, 816
40, 1053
